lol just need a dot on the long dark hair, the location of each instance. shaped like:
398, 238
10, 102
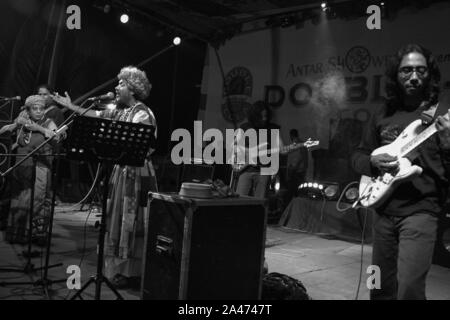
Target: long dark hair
394, 93
254, 113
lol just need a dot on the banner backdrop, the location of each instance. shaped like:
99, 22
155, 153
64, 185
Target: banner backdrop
323, 80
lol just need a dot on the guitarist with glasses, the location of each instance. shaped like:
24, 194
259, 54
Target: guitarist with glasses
407, 170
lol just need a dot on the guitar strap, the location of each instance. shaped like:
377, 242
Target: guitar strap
427, 116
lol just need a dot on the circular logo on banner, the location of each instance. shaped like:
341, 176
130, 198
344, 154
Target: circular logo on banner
236, 93
238, 106
300, 94
357, 59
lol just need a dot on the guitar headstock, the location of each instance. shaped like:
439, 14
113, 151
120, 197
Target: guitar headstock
311, 143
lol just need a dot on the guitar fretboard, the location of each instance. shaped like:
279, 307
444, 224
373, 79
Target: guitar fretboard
417, 140
286, 149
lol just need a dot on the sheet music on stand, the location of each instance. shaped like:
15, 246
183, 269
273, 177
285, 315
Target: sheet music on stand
124, 143
107, 142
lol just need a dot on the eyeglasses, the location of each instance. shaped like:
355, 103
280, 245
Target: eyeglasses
407, 71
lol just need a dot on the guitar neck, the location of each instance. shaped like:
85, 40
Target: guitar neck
286, 149
424, 135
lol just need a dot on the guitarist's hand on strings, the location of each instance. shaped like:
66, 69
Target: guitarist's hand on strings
443, 127
384, 162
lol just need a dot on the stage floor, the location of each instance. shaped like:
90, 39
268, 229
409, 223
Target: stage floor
329, 268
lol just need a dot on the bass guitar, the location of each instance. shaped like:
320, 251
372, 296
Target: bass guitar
251, 154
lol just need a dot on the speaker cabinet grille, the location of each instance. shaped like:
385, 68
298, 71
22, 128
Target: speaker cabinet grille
204, 249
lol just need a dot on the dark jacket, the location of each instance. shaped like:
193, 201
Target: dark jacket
425, 193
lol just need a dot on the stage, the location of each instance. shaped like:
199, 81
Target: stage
329, 268
322, 217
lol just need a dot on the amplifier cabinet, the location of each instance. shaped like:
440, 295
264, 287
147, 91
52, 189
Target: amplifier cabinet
203, 249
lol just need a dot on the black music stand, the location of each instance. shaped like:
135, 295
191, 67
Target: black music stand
29, 267
108, 142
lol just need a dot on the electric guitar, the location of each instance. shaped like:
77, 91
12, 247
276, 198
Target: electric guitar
251, 154
373, 191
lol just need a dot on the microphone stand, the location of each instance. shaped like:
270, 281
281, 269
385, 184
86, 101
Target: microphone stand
29, 268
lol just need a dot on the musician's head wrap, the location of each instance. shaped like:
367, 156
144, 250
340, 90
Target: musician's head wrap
35, 100
136, 81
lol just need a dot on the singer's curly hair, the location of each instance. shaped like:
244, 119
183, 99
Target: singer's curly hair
394, 92
136, 81
34, 100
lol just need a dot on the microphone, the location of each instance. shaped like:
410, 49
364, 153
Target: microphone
16, 98
62, 129
108, 96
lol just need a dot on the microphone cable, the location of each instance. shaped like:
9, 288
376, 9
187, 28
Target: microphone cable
73, 207
362, 252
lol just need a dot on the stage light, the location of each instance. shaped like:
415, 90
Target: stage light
352, 194
323, 5
382, 3
102, 5
315, 185
320, 187
310, 184
331, 190
124, 18
176, 41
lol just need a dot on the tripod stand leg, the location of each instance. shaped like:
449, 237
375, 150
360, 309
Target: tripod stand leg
99, 277
78, 294
110, 286
29, 266
97, 280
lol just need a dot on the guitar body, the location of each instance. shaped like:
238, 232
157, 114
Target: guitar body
374, 191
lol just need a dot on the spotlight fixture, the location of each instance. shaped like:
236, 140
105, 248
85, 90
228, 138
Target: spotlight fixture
107, 8
313, 190
323, 5
177, 41
102, 5
351, 194
124, 18
275, 184
331, 191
